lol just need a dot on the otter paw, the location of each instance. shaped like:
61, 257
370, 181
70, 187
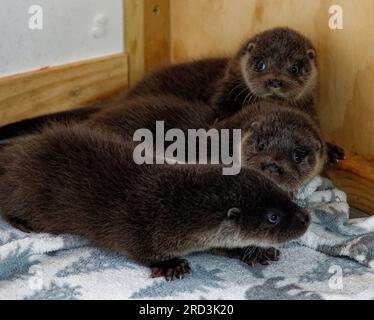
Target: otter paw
255, 255
171, 268
20, 224
335, 153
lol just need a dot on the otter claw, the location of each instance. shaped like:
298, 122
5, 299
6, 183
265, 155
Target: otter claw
335, 153
261, 256
170, 269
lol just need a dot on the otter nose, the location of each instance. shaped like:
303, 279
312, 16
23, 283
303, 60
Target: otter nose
303, 217
272, 168
275, 84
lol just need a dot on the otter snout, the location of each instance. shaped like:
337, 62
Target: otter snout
303, 218
275, 84
272, 168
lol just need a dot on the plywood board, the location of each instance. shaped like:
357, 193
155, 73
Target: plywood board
147, 36
61, 88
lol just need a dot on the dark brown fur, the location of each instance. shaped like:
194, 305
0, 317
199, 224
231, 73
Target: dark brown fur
274, 138
144, 111
278, 50
193, 81
35, 125
263, 122
77, 181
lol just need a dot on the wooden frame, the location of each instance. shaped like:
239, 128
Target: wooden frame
61, 88
356, 177
147, 36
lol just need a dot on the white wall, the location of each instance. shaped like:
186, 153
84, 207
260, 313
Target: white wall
67, 34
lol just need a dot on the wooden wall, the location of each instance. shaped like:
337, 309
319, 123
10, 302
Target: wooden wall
62, 88
147, 36
346, 57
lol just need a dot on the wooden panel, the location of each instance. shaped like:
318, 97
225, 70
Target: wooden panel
61, 88
147, 36
134, 38
157, 34
346, 57
356, 177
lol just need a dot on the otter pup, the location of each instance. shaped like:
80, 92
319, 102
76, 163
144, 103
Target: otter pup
276, 65
283, 143
77, 181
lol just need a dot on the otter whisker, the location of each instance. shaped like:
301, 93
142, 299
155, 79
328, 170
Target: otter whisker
248, 253
238, 86
249, 96
241, 92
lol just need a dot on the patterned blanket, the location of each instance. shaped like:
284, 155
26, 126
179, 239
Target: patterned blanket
41, 266
332, 232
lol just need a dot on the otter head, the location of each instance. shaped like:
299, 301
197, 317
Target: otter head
264, 216
279, 64
285, 145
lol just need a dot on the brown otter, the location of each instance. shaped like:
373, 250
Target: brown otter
303, 156
278, 64
78, 181
283, 143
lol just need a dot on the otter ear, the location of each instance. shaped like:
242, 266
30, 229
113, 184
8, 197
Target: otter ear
233, 213
250, 47
255, 125
311, 54
4, 144
317, 145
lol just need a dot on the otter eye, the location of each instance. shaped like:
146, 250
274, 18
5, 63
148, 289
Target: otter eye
261, 146
295, 69
273, 218
260, 66
299, 155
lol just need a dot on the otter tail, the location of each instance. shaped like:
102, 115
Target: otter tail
34, 125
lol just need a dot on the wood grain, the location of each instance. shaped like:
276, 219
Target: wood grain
61, 88
356, 177
147, 36
157, 34
134, 38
